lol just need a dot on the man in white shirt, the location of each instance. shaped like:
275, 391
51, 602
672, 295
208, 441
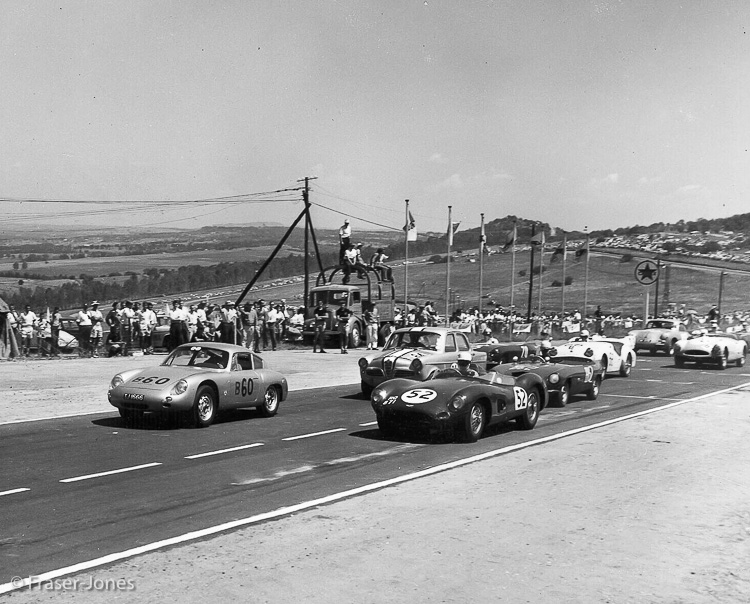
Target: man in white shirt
27, 321
345, 238
228, 323
84, 330
97, 330
148, 322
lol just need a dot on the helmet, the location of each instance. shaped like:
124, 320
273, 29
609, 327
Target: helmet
487, 331
464, 357
585, 333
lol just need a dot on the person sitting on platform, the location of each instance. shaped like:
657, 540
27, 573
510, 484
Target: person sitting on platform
377, 262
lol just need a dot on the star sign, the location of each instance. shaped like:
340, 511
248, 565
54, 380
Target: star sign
646, 272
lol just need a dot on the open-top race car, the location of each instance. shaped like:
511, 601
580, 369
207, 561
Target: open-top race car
197, 381
659, 335
456, 404
615, 355
563, 376
505, 352
414, 353
717, 348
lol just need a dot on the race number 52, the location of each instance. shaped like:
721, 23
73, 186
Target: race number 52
521, 398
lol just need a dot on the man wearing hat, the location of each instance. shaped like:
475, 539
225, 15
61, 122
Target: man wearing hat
84, 330
178, 333
228, 328
359, 264
127, 315
97, 329
148, 322
345, 238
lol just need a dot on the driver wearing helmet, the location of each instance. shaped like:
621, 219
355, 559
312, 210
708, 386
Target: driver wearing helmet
585, 335
545, 345
488, 337
463, 365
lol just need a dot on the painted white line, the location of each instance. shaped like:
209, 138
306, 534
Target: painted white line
686, 383
653, 380
197, 455
12, 491
369, 424
314, 434
306, 505
645, 398
130, 469
42, 419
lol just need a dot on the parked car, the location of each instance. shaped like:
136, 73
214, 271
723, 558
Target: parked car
717, 348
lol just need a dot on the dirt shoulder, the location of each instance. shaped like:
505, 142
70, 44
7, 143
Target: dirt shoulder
654, 509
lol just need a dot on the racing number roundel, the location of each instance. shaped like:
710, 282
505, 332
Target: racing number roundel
418, 396
646, 272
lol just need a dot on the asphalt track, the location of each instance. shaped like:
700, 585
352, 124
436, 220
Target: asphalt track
77, 490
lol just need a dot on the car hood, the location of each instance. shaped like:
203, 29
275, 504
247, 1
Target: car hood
403, 356
161, 376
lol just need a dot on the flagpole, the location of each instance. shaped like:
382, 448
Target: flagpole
448, 269
481, 262
586, 277
541, 270
513, 263
406, 260
565, 256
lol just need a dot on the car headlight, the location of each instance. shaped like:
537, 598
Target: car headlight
378, 395
457, 402
116, 381
363, 363
416, 366
179, 388
554, 378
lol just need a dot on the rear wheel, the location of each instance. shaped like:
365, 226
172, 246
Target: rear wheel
270, 402
204, 408
741, 360
533, 406
625, 367
593, 393
474, 423
722, 360
564, 397
355, 336
605, 366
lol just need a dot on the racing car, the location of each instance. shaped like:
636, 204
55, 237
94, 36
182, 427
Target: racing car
659, 335
505, 352
564, 376
616, 355
196, 381
414, 353
718, 348
453, 404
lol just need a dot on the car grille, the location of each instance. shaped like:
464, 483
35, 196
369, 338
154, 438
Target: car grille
697, 353
403, 373
374, 371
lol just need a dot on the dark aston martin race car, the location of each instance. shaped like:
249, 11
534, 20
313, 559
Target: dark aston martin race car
454, 404
563, 376
505, 352
197, 380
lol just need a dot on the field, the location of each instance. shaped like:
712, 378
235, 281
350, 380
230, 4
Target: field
611, 282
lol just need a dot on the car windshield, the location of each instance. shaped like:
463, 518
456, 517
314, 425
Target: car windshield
413, 339
714, 334
532, 360
571, 360
659, 325
198, 356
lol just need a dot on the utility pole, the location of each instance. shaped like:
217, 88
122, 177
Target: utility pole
531, 273
308, 230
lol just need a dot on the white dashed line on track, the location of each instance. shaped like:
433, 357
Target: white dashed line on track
369, 424
314, 434
219, 452
13, 491
650, 398
121, 470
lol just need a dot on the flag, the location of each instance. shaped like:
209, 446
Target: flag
482, 237
411, 229
581, 252
511, 239
452, 228
560, 251
538, 239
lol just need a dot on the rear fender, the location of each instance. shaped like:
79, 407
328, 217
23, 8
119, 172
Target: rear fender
531, 381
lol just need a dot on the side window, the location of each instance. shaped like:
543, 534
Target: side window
463, 343
355, 297
244, 362
450, 343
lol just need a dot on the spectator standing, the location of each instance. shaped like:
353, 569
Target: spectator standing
345, 238
148, 323
377, 262
372, 322
97, 330
228, 322
84, 330
350, 257
15, 323
44, 335
177, 325
321, 316
296, 325
27, 321
127, 314
342, 317
249, 320
192, 322
54, 327
136, 323
113, 320
262, 319
274, 319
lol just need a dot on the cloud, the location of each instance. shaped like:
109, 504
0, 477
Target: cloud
689, 190
645, 180
452, 182
438, 158
608, 180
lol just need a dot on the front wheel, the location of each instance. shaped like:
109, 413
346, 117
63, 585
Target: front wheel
605, 366
204, 409
533, 405
625, 367
722, 361
386, 428
593, 393
355, 336
564, 396
474, 423
270, 402
741, 360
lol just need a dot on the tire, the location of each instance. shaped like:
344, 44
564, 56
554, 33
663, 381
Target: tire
593, 392
722, 361
204, 408
625, 367
741, 360
670, 350
679, 361
355, 336
533, 405
605, 366
131, 417
366, 390
270, 402
474, 422
563, 398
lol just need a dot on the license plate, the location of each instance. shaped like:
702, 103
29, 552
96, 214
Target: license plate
129, 396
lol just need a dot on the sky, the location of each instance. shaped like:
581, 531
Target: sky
597, 114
